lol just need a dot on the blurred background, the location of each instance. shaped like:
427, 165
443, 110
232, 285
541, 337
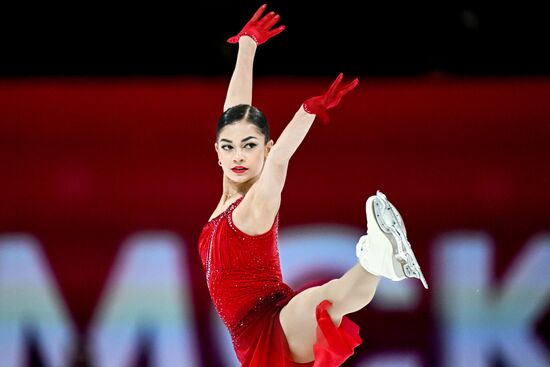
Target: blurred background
108, 174
464, 38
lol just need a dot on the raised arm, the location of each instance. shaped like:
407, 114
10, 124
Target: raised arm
267, 193
296, 130
240, 86
254, 33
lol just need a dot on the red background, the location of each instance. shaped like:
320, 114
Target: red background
85, 162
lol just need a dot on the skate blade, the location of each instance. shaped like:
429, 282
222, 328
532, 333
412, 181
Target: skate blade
395, 232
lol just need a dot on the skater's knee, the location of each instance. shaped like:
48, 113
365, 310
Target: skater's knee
331, 288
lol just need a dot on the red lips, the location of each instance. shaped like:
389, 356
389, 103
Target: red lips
239, 169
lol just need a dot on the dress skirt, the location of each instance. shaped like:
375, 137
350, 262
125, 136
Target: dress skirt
261, 342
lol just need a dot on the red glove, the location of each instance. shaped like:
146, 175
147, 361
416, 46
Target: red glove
320, 104
259, 29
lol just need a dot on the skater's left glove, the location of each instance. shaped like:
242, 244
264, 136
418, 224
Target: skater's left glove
259, 29
319, 105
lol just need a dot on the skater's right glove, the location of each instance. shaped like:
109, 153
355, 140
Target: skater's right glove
319, 105
259, 29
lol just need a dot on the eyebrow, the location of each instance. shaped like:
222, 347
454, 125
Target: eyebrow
245, 139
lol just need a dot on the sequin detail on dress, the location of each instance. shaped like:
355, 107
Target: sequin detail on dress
245, 283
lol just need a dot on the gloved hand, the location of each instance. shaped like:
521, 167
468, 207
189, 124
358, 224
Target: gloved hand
319, 105
259, 29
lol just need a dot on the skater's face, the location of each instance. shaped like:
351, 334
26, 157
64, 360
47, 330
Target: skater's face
242, 144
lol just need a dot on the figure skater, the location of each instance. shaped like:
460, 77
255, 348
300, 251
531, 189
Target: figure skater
270, 323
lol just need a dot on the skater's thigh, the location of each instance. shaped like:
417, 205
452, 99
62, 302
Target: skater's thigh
299, 322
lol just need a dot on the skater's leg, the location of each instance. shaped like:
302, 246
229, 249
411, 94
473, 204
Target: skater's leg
350, 293
384, 251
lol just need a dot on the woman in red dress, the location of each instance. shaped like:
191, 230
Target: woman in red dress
270, 323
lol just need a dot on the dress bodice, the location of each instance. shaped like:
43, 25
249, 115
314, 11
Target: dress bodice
242, 271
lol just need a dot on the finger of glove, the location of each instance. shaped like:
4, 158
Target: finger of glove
330, 93
350, 86
275, 31
257, 14
334, 99
341, 92
266, 19
272, 22
249, 25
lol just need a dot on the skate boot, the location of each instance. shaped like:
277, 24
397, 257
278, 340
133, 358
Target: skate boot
385, 250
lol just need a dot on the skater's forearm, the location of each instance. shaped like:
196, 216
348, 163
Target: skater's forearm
240, 86
292, 136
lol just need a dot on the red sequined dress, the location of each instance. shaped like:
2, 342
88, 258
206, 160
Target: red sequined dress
243, 275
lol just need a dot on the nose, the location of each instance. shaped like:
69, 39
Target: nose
238, 157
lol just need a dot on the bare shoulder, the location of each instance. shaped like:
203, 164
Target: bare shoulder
222, 207
254, 217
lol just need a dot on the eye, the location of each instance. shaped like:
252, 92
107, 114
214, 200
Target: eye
252, 145
226, 146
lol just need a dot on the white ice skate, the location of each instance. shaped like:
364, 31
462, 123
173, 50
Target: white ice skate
385, 250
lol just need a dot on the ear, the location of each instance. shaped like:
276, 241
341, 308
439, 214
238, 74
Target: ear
217, 147
268, 146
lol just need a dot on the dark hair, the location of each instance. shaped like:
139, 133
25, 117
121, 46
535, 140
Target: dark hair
247, 113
